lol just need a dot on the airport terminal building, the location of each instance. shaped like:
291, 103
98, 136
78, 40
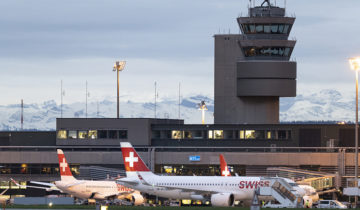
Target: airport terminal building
252, 70
169, 146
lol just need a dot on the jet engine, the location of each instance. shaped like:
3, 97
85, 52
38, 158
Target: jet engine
137, 199
97, 196
222, 199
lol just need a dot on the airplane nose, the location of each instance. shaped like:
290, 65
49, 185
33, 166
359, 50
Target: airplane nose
300, 191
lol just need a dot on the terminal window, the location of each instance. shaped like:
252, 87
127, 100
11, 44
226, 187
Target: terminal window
268, 135
242, 134
187, 135
197, 134
123, 134
112, 134
260, 134
102, 134
92, 134
82, 134
216, 134
176, 134
250, 134
62, 134
72, 134
282, 134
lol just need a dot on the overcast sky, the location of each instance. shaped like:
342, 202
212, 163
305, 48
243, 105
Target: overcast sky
168, 41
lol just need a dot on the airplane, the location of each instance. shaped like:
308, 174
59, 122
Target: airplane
88, 189
310, 194
221, 191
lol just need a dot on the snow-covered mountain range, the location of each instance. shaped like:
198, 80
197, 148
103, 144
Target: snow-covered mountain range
324, 105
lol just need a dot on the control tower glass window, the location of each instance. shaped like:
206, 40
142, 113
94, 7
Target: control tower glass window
261, 28
267, 51
267, 29
274, 28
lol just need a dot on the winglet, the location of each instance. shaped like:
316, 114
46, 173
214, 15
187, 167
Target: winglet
13, 181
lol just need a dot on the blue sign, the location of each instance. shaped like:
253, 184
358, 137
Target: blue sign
194, 158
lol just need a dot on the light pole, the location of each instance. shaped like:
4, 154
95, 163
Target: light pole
119, 66
355, 65
203, 108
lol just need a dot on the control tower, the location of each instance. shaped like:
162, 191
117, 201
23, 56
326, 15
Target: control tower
252, 69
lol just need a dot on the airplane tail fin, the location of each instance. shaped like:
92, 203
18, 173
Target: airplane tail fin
65, 172
223, 166
132, 161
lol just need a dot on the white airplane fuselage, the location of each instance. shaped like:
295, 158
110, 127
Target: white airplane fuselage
91, 189
242, 188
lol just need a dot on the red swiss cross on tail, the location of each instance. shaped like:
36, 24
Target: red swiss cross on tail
223, 166
132, 160
63, 165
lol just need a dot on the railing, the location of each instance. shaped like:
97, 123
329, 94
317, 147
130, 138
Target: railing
181, 149
285, 193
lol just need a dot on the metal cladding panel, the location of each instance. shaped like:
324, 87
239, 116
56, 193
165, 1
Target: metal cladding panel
266, 87
263, 69
266, 42
274, 20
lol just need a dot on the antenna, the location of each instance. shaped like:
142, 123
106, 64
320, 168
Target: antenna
155, 102
61, 99
179, 100
22, 114
62, 93
97, 109
86, 99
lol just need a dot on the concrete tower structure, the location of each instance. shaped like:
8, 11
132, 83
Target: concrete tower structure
252, 69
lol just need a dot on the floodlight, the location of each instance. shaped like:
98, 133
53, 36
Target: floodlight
119, 65
355, 63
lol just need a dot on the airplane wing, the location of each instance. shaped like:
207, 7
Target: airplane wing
36, 187
327, 191
128, 181
43, 183
3, 192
